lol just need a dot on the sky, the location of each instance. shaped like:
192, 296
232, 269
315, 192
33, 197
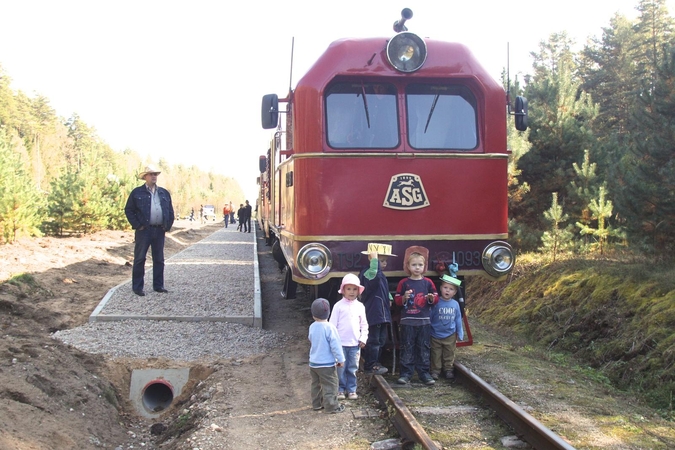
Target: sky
183, 81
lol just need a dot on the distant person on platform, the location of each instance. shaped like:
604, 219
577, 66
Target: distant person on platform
240, 216
226, 214
231, 213
150, 213
248, 212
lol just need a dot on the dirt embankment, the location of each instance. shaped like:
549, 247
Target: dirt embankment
52, 396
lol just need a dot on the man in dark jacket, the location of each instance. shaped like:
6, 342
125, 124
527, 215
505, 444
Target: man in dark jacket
247, 217
150, 213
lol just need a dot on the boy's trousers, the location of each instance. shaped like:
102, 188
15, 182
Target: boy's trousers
443, 353
324, 388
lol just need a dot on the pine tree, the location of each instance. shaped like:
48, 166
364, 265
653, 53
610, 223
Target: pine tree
646, 200
63, 196
556, 239
601, 210
20, 203
586, 189
606, 68
561, 116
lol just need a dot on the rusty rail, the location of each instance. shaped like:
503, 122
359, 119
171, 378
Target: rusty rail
403, 420
526, 426
529, 428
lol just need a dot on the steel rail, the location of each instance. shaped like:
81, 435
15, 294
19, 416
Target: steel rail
529, 428
403, 420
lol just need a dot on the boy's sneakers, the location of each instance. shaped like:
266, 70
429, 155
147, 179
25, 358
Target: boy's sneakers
339, 409
377, 370
352, 396
434, 375
341, 396
428, 380
403, 380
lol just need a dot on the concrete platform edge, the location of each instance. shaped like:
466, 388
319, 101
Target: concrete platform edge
244, 320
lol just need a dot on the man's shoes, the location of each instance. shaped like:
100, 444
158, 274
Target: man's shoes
434, 375
140, 293
377, 370
450, 375
403, 380
162, 290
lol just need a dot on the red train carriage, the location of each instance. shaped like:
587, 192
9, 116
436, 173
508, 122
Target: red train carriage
397, 140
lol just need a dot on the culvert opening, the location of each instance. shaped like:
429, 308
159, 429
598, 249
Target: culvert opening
157, 395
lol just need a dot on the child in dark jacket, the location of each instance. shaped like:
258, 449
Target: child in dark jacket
416, 294
377, 300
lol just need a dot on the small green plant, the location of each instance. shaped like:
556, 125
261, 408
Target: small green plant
109, 395
593, 374
23, 278
183, 420
558, 358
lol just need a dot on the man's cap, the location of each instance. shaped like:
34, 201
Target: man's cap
380, 249
148, 169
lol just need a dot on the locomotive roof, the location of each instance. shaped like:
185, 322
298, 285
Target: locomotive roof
367, 57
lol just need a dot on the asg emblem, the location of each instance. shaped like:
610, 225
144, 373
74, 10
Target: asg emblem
406, 192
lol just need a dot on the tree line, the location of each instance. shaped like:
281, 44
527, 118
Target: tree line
594, 172
596, 169
58, 177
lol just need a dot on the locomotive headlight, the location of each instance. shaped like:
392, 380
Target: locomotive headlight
314, 261
498, 259
406, 52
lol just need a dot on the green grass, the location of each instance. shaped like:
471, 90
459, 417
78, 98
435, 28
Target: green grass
611, 320
23, 279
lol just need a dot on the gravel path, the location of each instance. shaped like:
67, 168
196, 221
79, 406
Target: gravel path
212, 278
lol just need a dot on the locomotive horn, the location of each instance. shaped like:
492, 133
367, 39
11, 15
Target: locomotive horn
399, 26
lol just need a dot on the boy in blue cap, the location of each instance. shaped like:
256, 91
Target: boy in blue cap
446, 327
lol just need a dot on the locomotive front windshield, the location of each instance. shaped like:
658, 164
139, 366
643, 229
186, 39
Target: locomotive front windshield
362, 116
366, 116
441, 117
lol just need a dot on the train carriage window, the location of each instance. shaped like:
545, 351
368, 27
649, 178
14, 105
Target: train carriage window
441, 117
362, 115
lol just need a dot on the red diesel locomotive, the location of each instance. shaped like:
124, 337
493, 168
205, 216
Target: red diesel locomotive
397, 140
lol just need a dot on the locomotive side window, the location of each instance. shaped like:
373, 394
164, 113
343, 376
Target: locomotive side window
362, 115
441, 117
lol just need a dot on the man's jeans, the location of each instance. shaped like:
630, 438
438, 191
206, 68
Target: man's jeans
415, 348
347, 373
377, 338
151, 237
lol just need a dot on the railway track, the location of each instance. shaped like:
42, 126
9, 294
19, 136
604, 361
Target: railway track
523, 424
